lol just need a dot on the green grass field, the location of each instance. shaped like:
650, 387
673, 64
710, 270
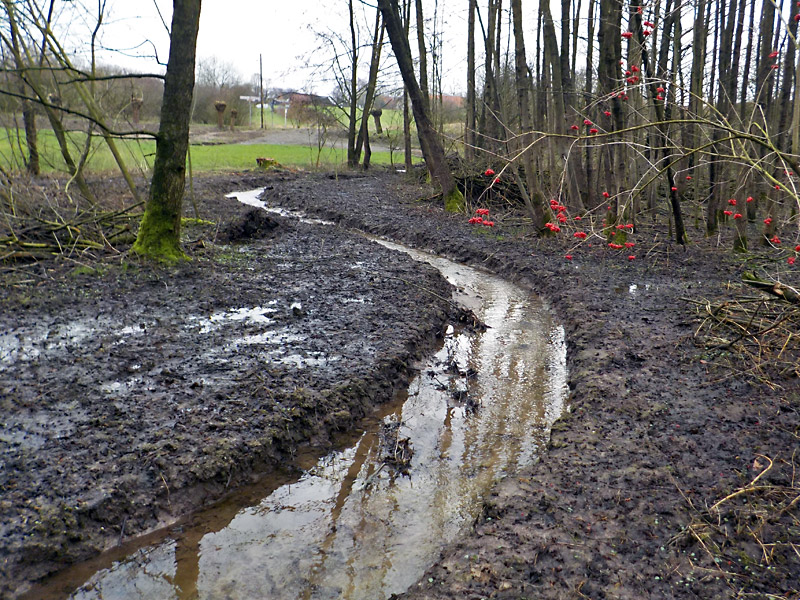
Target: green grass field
226, 157
138, 154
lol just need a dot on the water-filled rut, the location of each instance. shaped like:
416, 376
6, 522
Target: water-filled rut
365, 522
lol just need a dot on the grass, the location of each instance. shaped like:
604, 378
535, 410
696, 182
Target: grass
237, 156
138, 154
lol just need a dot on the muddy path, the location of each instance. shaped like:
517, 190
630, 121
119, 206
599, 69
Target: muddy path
367, 519
658, 429
132, 395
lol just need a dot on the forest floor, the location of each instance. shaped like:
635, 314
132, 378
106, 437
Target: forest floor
131, 394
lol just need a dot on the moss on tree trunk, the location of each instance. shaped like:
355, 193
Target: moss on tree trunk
159, 231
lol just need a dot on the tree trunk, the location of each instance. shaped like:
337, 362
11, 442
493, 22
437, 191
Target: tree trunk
764, 88
699, 37
574, 61
535, 199
608, 74
21, 54
429, 140
469, 125
159, 232
406, 113
29, 121
785, 102
659, 109
369, 95
736, 56
488, 125
352, 119
28, 114
746, 71
423, 56
591, 191
566, 83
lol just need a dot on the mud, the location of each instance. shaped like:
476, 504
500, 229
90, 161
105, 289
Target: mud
367, 519
131, 395
659, 429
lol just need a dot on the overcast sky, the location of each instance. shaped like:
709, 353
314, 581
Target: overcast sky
233, 31
237, 31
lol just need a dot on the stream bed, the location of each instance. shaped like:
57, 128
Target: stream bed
364, 522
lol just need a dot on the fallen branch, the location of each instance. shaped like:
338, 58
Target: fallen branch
36, 237
776, 288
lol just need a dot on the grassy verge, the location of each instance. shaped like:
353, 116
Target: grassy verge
138, 154
238, 156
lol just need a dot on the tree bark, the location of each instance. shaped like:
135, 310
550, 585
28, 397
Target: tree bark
469, 125
746, 71
699, 36
159, 232
534, 200
660, 110
488, 125
352, 159
764, 90
423, 56
406, 112
591, 191
31, 79
428, 138
28, 114
372, 82
608, 74
787, 86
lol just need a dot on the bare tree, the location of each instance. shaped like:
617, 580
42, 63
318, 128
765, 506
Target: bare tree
428, 138
369, 95
159, 232
469, 125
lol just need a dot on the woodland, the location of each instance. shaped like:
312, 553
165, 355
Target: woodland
616, 145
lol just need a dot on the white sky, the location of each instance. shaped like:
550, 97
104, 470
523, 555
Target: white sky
236, 31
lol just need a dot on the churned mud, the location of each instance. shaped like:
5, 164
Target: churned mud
131, 395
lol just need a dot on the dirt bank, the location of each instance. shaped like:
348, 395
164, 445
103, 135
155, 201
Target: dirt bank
660, 427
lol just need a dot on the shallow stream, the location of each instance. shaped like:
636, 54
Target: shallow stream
364, 522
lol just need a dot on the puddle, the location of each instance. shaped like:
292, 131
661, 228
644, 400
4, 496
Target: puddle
255, 314
634, 289
39, 342
251, 198
354, 526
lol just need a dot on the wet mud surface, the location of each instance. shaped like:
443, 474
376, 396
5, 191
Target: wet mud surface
657, 432
132, 395
110, 434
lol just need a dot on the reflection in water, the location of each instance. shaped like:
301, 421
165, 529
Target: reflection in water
252, 198
353, 528
148, 573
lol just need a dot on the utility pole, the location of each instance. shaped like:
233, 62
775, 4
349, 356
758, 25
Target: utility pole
261, 86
